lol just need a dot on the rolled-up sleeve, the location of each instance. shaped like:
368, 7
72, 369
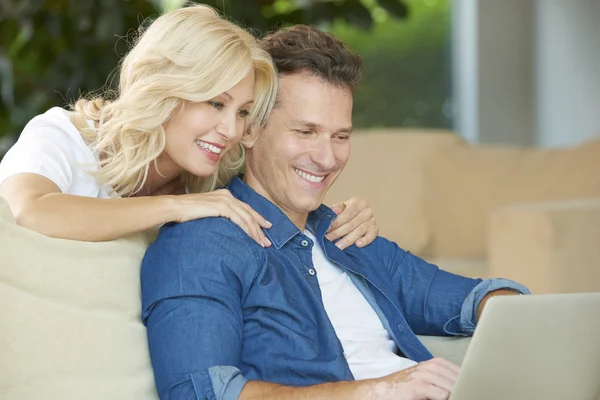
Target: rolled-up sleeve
192, 291
468, 313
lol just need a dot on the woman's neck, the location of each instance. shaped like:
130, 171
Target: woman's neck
162, 172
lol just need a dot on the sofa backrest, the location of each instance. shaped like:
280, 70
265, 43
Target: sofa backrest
71, 317
433, 194
465, 184
386, 169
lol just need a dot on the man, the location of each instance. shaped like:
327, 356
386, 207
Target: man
228, 319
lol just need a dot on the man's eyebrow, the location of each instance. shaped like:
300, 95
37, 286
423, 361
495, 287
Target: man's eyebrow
309, 124
317, 127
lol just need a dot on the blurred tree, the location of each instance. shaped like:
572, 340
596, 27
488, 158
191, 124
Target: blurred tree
52, 50
407, 80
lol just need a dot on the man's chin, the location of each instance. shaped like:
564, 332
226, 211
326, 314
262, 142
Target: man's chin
309, 205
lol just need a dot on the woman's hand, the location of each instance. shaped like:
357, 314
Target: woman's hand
355, 224
220, 203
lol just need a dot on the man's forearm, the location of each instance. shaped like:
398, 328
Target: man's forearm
256, 390
499, 292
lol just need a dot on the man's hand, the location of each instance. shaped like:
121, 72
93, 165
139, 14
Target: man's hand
355, 224
429, 380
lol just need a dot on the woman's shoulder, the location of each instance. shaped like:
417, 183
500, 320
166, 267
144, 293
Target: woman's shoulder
51, 146
55, 127
54, 123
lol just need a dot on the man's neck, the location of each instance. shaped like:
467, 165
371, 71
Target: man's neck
298, 219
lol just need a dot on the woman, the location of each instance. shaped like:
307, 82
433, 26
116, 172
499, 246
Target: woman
188, 89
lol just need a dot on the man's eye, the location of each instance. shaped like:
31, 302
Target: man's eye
342, 137
217, 105
303, 131
243, 113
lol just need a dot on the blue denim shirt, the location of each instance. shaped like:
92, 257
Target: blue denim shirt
221, 310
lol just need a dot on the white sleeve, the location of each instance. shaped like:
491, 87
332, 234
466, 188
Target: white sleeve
39, 153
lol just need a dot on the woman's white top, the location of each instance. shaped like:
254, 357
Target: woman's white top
52, 147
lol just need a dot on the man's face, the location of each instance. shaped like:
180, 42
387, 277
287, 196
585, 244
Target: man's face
304, 147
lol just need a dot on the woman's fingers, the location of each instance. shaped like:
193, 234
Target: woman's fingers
352, 237
369, 237
239, 216
257, 217
355, 224
253, 229
355, 230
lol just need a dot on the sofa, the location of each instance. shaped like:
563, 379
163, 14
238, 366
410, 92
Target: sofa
528, 214
70, 318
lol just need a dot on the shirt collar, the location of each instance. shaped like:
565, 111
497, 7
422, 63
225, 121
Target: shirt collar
283, 229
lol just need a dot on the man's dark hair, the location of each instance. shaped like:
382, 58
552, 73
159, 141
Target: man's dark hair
303, 48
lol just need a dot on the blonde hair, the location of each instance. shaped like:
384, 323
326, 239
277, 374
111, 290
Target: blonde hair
188, 55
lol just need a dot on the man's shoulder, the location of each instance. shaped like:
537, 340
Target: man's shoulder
186, 256
205, 240
381, 251
208, 229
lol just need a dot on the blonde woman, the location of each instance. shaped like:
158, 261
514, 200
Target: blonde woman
190, 86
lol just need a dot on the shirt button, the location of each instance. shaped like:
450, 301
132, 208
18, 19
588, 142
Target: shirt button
311, 271
304, 243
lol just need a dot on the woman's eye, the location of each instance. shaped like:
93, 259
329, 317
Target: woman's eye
243, 113
217, 105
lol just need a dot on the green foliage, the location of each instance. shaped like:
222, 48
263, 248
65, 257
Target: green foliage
407, 68
51, 51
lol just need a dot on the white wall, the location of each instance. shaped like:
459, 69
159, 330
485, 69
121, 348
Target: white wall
527, 72
567, 65
506, 96
492, 71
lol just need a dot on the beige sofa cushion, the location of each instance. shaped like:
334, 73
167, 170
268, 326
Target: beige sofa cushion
71, 317
385, 168
551, 247
464, 185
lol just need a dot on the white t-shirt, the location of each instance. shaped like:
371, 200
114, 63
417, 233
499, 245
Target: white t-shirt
52, 147
368, 347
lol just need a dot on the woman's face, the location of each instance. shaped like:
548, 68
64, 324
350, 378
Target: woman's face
198, 134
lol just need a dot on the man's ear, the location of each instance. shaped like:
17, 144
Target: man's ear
250, 137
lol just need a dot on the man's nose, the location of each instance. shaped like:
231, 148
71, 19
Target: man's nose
323, 154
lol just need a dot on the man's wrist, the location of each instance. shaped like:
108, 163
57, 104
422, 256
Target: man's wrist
497, 292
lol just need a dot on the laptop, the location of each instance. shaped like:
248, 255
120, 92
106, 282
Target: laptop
537, 347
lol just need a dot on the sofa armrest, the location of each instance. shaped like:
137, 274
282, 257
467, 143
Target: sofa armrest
551, 247
451, 348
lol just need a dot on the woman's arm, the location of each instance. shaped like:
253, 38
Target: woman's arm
38, 204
